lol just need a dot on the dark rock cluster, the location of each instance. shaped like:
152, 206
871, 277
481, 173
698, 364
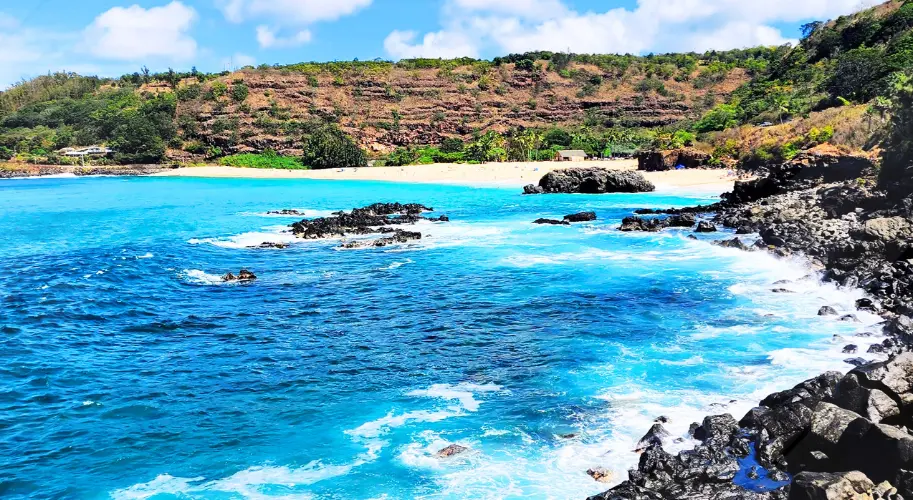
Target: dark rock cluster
243, 276
594, 180
653, 161
815, 440
379, 218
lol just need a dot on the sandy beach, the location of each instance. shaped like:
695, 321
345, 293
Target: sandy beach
515, 174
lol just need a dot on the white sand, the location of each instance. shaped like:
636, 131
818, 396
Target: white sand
515, 174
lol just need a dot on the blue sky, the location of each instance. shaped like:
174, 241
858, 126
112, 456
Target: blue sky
112, 37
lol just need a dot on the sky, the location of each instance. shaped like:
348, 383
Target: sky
114, 37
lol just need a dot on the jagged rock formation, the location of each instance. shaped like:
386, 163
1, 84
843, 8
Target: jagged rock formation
379, 218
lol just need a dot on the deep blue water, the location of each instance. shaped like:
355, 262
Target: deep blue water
127, 370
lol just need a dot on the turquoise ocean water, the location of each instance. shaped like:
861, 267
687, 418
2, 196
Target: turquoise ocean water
129, 371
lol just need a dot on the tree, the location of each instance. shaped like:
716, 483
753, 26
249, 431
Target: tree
719, 118
329, 147
810, 28
452, 145
897, 157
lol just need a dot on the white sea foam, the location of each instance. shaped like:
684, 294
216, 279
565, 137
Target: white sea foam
247, 240
395, 265
464, 393
199, 277
249, 483
147, 255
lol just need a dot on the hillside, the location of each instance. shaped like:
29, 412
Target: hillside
382, 105
751, 106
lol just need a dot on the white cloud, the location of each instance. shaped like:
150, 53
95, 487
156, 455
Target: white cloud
268, 38
502, 26
400, 44
134, 33
300, 12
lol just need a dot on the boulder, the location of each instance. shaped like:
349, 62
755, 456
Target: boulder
826, 428
856, 394
733, 243
243, 275
452, 450
894, 377
581, 217
631, 224
594, 180
681, 220
399, 237
656, 435
883, 229
653, 161
705, 227
717, 429
826, 486
827, 311
850, 349
866, 304
271, 245
601, 474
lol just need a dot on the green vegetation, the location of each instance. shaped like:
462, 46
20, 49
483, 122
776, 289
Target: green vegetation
329, 147
267, 159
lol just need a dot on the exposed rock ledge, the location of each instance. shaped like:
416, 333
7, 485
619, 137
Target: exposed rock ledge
594, 180
379, 218
837, 435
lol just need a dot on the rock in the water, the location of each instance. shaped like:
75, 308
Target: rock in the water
705, 227
866, 304
825, 486
733, 243
850, 318
781, 290
271, 245
373, 219
656, 435
593, 180
552, 222
286, 211
452, 450
855, 361
850, 349
581, 217
399, 237
601, 474
243, 275
630, 224
681, 220
827, 311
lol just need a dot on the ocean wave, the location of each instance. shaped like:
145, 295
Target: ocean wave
254, 482
395, 265
464, 394
199, 277
247, 240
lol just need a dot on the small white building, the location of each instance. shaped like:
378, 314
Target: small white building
571, 155
86, 151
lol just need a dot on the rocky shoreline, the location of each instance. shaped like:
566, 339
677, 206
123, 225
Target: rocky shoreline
835, 436
21, 171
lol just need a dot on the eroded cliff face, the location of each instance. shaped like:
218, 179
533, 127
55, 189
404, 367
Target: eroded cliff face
392, 107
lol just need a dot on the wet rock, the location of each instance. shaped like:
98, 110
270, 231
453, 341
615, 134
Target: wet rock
744, 230
286, 211
452, 450
850, 318
243, 275
631, 224
827, 311
681, 220
372, 219
705, 227
593, 180
733, 243
855, 361
601, 474
657, 435
865, 304
850, 349
826, 486
876, 349
271, 245
552, 222
399, 237
581, 217
781, 290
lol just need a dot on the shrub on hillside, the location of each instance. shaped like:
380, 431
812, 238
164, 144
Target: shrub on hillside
266, 159
329, 147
